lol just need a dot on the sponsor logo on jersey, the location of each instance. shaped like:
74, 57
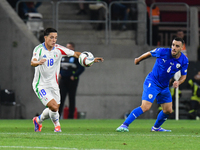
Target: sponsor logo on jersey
150, 96
171, 63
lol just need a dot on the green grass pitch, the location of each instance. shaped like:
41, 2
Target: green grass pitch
99, 135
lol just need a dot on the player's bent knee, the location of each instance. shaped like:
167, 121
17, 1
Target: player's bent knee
54, 109
146, 105
169, 111
145, 108
53, 106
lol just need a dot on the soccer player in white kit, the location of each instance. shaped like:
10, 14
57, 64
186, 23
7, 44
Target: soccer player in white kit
46, 60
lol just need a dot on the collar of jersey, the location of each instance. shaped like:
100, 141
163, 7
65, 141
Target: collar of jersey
46, 48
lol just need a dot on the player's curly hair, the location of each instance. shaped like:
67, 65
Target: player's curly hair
47, 31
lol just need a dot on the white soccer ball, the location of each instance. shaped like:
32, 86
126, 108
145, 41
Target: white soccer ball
86, 59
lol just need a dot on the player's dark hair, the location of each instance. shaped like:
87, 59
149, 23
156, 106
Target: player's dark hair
179, 39
72, 44
48, 31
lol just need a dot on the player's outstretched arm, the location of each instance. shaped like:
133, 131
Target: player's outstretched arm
77, 54
142, 57
98, 59
35, 62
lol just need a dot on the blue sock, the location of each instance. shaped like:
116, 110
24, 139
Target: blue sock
133, 115
162, 117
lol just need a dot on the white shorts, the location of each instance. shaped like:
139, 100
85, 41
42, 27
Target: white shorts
47, 94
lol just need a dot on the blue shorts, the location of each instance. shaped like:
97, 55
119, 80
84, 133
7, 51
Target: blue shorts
152, 91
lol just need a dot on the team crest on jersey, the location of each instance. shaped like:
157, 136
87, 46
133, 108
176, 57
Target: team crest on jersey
34, 54
44, 56
150, 96
178, 65
186, 70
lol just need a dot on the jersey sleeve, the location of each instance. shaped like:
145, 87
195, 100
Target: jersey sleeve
65, 51
184, 67
36, 52
156, 52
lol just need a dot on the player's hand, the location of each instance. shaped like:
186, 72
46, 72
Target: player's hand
176, 84
42, 61
137, 61
98, 59
72, 78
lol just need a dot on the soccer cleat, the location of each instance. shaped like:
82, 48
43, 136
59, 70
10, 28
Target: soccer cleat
38, 127
159, 130
57, 129
122, 128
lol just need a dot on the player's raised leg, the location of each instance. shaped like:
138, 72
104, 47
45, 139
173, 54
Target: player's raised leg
54, 115
133, 115
38, 120
162, 117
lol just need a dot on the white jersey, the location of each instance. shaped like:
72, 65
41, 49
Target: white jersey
46, 75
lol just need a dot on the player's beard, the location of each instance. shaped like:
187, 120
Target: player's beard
176, 55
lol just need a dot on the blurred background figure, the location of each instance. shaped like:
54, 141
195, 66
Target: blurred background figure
82, 10
155, 23
31, 7
69, 77
121, 9
25, 7
195, 98
181, 34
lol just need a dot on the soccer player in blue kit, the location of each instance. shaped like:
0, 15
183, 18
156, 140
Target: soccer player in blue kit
156, 84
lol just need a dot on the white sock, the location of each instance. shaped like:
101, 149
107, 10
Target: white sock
43, 116
54, 118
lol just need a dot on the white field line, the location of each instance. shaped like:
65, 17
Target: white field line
66, 134
35, 147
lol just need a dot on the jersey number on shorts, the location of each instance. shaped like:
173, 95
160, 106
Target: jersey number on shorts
42, 93
50, 62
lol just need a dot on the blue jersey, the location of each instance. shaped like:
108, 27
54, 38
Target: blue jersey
166, 66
